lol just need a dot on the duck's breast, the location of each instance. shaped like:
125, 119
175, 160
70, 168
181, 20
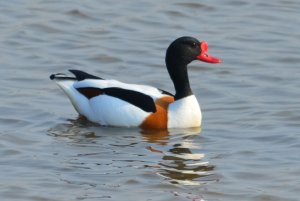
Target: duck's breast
184, 113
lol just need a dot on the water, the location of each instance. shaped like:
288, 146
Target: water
248, 148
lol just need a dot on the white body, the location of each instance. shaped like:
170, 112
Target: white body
110, 111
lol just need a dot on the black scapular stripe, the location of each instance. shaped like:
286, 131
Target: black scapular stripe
135, 98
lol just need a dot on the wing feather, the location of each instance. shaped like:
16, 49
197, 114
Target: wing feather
136, 98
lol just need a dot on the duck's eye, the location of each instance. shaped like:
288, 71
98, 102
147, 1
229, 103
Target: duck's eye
194, 44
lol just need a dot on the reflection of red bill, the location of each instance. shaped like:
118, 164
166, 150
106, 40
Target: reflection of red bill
204, 56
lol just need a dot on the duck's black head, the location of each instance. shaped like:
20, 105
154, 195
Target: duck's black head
186, 49
179, 54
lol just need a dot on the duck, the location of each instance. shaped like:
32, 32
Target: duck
109, 102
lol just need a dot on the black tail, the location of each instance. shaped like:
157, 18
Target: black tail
80, 75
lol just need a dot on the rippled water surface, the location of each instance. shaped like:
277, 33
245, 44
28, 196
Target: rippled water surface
247, 149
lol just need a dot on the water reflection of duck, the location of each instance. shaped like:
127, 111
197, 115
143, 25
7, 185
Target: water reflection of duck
162, 136
181, 162
176, 152
113, 103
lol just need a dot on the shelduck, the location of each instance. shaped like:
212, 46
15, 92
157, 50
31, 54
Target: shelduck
114, 103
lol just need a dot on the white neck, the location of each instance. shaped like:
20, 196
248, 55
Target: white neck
184, 113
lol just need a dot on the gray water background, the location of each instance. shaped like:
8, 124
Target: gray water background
247, 149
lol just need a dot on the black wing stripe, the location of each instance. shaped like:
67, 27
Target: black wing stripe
135, 98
